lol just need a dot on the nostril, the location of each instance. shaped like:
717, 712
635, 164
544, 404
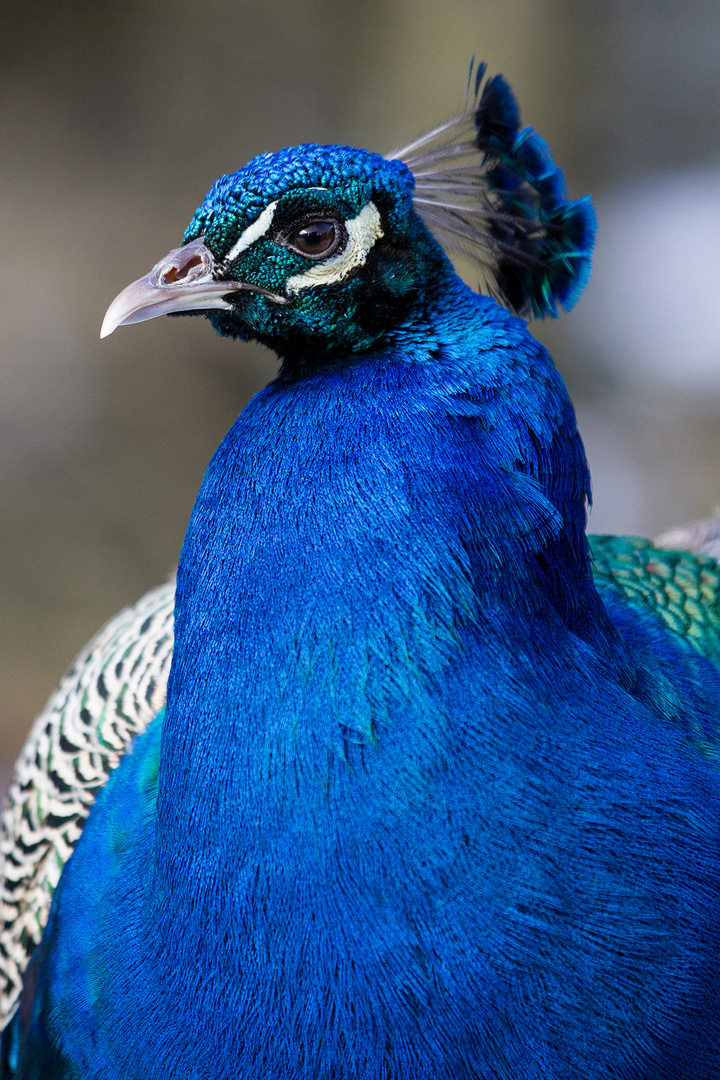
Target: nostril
173, 274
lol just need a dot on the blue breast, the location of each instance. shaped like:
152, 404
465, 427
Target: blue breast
383, 829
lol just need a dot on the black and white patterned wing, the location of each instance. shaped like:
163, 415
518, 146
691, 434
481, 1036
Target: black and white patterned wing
113, 690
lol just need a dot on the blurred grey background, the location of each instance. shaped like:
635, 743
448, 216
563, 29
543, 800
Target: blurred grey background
114, 121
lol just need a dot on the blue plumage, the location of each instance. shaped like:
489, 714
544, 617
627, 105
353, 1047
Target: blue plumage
420, 804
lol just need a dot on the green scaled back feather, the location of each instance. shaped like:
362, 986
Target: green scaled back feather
683, 589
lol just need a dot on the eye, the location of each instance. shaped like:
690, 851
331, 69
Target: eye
316, 239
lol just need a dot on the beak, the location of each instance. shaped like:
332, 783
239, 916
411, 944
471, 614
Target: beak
183, 281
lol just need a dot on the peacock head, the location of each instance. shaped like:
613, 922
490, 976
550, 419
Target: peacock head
311, 246
319, 249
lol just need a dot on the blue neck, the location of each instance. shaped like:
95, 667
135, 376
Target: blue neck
355, 529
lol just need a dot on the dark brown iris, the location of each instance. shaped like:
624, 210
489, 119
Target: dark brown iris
315, 238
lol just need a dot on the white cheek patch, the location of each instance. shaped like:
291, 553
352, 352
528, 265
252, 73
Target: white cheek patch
362, 232
254, 231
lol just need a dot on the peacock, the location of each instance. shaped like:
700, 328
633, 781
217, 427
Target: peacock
402, 777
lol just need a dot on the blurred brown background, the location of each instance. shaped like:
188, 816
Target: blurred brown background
115, 119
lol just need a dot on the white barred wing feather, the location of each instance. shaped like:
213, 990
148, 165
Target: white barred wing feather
113, 690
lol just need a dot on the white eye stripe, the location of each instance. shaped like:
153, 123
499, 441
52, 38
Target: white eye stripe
253, 232
362, 232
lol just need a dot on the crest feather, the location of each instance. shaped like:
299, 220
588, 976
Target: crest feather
489, 189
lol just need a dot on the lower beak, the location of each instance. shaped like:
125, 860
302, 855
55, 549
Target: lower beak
182, 281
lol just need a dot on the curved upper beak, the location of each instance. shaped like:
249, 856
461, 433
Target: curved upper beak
182, 281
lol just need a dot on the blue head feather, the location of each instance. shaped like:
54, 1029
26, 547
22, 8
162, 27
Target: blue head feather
236, 200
